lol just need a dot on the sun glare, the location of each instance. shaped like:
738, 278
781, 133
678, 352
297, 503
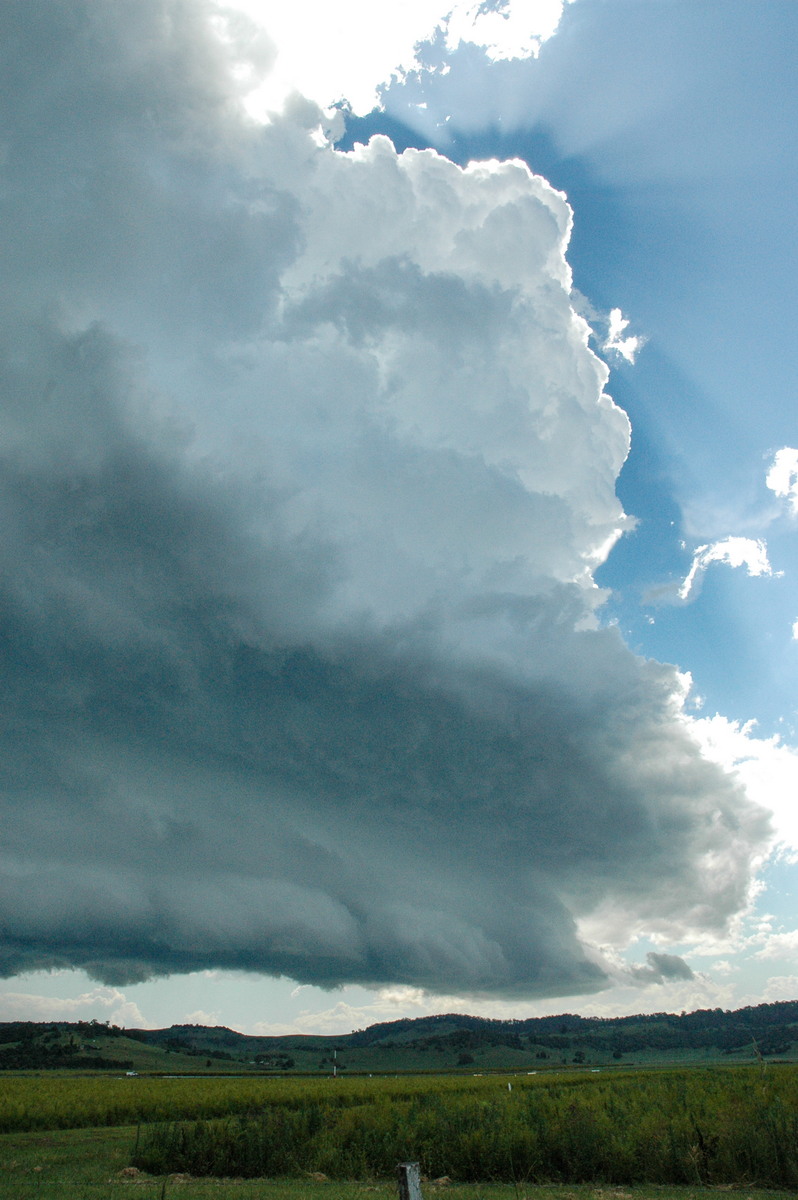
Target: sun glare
343, 52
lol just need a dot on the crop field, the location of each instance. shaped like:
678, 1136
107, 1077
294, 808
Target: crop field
73, 1101
663, 1133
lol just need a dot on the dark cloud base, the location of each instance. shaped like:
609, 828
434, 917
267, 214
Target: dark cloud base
182, 795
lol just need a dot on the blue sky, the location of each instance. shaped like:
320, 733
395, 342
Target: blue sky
333, 570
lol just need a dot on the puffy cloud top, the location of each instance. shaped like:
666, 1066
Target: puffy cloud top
306, 465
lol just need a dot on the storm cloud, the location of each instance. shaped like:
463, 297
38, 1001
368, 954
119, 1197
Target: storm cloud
306, 465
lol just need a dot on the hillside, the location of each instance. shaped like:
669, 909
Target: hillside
437, 1043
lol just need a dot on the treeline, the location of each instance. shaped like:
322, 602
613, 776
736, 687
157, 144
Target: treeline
769, 1040
766, 1029
772, 1026
27, 1045
760, 1015
36, 1058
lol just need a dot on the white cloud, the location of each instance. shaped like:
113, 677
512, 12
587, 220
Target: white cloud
767, 768
627, 347
736, 551
102, 1003
622, 997
200, 1016
608, 328
505, 28
780, 945
388, 1004
778, 987
782, 478
346, 50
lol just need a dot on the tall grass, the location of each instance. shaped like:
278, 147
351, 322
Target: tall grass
682, 1127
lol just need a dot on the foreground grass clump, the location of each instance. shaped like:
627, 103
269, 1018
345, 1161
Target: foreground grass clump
680, 1127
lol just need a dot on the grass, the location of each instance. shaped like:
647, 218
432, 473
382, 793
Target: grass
88, 1164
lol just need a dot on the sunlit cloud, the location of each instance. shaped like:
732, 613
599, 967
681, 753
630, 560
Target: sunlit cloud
782, 478
506, 29
201, 1016
101, 1003
778, 987
343, 52
608, 328
767, 767
780, 945
750, 553
628, 347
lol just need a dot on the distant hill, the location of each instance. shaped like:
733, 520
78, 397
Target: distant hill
451, 1041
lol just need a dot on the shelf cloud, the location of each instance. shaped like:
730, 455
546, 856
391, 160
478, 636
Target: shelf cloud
306, 465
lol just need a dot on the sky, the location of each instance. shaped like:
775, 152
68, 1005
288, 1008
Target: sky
400, 496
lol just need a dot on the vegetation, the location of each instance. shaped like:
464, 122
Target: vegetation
682, 1127
38, 1102
584, 1108
609, 1129
93, 1164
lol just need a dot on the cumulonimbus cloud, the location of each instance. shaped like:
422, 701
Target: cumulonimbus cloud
306, 466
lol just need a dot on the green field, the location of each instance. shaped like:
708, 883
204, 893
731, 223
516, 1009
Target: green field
569, 1136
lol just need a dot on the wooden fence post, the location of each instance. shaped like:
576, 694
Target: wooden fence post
409, 1178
